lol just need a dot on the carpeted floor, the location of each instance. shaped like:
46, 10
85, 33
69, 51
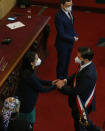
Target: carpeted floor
52, 111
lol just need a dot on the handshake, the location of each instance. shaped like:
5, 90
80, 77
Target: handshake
59, 83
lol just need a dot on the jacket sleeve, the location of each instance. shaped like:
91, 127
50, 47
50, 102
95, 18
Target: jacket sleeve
70, 80
75, 34
80, 87
60, 29
45, 82
37, 85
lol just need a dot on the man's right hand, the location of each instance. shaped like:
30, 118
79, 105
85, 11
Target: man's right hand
76, 38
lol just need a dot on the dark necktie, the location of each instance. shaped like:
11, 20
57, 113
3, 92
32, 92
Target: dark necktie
70, 16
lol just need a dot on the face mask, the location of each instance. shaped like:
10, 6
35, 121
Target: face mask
38, 62
77, 60
68, 9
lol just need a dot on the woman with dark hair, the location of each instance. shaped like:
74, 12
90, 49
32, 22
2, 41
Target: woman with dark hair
30, 85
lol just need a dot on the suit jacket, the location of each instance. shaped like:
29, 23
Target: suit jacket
28, 90
85, 83
65, 30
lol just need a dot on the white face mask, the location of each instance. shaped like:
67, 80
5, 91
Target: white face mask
68, 9
77, 60
38, 62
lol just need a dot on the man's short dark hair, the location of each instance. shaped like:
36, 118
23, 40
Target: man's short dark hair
86, 53
64, 1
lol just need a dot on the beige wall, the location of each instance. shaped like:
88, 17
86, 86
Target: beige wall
5, 7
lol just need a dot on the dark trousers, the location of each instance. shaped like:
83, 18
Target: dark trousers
63, 60
79, 127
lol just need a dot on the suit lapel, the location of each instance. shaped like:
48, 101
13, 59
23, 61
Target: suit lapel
65, 16
83, 70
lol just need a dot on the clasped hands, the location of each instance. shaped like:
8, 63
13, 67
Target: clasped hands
59, 83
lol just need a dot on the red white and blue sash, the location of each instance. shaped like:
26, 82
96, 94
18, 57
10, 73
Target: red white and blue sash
90, 98
87, 103
83, 106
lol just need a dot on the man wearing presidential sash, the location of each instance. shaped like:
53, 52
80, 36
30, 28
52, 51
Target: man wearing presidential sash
81, 90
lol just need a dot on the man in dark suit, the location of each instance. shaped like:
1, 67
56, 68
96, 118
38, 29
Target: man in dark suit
65, 38
82, 97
